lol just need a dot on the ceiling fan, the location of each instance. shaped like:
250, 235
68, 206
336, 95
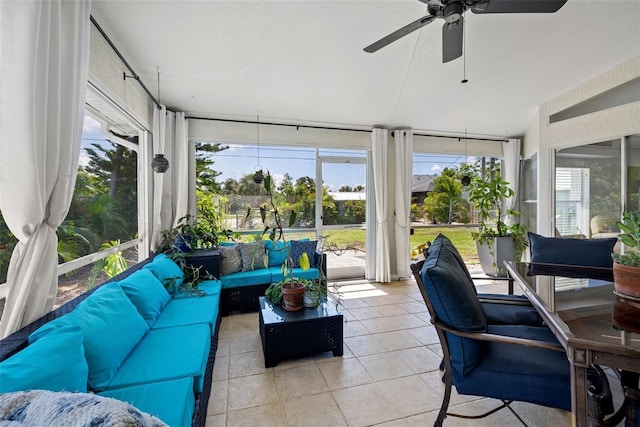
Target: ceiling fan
452, 10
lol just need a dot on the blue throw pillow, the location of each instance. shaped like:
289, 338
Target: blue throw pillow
298, 247
565, 251
147, 293
112, 326
277, 252
167, 271
55, 362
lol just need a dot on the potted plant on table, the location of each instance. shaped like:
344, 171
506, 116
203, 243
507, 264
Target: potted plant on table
290, 290
496, 241
626, 266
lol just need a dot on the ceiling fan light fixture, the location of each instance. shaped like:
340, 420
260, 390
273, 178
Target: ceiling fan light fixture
453, 12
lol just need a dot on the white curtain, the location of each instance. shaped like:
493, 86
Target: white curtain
404, 169
379, 154
44, 62
174, 190
511, 173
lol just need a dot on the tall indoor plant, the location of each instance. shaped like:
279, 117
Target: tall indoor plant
626, 266
496, 240
290, 290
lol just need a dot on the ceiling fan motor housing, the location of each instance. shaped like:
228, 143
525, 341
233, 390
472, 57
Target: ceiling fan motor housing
453, 11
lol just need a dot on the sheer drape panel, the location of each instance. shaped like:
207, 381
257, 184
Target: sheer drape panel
379, 154
44, 62
173, 192
404, 169
511, 173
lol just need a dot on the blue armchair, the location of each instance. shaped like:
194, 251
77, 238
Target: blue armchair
502, 361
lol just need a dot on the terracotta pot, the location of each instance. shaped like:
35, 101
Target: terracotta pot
626, 280
292, 296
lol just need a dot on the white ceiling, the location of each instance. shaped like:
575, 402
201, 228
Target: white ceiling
303, 60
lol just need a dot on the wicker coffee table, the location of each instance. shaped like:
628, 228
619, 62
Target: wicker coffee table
289, 335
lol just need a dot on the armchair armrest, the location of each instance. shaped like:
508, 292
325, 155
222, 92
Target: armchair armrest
485, 336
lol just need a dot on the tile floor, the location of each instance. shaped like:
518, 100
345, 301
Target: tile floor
388, 375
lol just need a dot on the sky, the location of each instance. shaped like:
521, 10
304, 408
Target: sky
239, 160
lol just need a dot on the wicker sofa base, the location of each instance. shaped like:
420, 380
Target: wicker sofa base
241, 299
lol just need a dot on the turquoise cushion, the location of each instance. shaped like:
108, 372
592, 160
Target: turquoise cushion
188, 311
277, 252
147, 293
55, 362
311, 273
247, 278
298, 247
208, 287
167, 271
171, 401
167, 354
54, 326
112, 327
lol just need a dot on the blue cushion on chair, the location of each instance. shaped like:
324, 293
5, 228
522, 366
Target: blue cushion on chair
277, 252
455, 304
55, 362
167, 271
147, 293
112, 327
584, 252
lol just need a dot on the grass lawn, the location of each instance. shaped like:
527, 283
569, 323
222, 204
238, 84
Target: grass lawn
459, 235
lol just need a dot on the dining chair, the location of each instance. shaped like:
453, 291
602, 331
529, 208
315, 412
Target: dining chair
509, 362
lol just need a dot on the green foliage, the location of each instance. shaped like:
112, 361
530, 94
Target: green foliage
194, 234
445, 203
7, 243
630, 236
112, 265
489, 197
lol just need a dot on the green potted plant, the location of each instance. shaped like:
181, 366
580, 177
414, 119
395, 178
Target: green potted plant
290, 290
193, 244
626, 266
496, 241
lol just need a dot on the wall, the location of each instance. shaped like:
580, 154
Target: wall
614, 122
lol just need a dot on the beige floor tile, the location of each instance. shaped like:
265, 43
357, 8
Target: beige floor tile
244, 364
391, 310
393, 323
221, 368
540, 416
364, 313
364, 345
300, 381
349, 303
398, 340
378, 300
254, 390
415, 307
319, 410
502, 418
343, 373
410, 395
244, 324
384, 366
224, 346
245, 344
218, 398
268, 415
365, 405
216, 420
425, 334
353, 328
419, 359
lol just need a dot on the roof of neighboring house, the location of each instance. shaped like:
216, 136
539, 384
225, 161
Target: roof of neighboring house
422, 183
340, 196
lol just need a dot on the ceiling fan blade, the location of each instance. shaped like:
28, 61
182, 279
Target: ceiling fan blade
517, 6
407, 29
452, 40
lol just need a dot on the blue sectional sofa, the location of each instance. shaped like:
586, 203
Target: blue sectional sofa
128, 339
241, 289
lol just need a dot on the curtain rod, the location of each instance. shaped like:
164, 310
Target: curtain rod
297, 126
253, 122
124, 61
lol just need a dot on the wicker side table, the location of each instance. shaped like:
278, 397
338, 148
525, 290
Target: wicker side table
290, 335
